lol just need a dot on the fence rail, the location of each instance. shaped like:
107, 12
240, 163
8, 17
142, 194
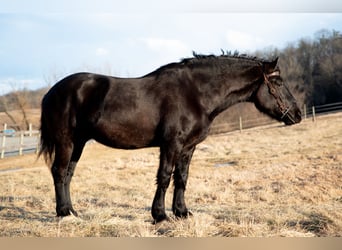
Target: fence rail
307, 113
326, 108
18, 142
27, 142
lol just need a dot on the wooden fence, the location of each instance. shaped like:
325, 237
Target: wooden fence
18, 142
242, 123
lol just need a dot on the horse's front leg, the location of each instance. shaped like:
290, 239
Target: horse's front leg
180, 179
167, 158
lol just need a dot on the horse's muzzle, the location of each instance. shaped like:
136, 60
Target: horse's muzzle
292, 117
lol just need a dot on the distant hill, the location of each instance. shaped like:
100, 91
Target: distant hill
30, 98
20, 108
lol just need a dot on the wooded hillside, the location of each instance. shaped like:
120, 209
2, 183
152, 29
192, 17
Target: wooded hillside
313, 67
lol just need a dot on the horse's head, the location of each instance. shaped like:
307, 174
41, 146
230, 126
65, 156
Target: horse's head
274, 98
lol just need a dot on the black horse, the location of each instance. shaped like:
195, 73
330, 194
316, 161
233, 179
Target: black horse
171, 108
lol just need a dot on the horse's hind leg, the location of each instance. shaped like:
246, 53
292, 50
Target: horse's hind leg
76, 154
59, 170
180, 179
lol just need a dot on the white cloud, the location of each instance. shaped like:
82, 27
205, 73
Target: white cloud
243, 41
160, 51
135, 42
101, 52
168, 45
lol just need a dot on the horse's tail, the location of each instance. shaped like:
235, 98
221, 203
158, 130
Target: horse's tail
47, 141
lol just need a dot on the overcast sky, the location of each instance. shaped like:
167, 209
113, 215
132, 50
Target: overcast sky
39, 41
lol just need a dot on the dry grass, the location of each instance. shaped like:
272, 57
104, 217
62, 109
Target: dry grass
276, 181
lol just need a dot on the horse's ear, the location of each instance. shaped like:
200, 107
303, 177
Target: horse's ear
269, 67
275, 62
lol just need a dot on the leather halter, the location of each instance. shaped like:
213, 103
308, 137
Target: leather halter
284, 109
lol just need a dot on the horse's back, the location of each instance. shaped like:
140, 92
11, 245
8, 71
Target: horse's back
118, 112
123, 112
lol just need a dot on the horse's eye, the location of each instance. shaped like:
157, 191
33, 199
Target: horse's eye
278, 82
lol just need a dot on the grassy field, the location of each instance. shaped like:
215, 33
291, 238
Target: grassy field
271, 181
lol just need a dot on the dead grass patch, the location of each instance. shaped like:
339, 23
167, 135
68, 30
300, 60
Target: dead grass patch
276, 181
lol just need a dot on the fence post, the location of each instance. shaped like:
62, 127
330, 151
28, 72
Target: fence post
38, 143
240, 123
3, 144
21, 143
30, 129
313, 114
304, 110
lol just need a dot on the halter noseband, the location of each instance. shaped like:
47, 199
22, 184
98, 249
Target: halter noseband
284, 109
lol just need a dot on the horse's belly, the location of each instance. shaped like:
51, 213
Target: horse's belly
125, 136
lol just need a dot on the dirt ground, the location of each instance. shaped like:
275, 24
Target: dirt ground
268, 181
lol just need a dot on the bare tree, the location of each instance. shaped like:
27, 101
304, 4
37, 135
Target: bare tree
16, 101
20, 98
4, 103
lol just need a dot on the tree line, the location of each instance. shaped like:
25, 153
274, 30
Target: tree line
312, 67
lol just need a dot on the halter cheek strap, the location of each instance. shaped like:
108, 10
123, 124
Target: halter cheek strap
284, 109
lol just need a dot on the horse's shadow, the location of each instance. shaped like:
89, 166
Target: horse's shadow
10, 211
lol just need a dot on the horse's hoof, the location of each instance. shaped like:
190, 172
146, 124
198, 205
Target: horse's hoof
73, 212
160, 218
66, 211
183, 215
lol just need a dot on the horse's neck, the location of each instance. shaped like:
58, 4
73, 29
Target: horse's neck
220, 94
234, 97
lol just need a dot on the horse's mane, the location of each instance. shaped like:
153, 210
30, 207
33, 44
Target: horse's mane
200, 59
224, 55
